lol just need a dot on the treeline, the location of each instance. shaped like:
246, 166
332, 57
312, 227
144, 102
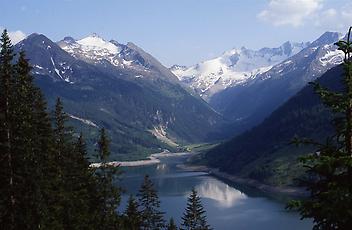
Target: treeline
45, 178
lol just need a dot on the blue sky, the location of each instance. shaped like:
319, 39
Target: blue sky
179, 31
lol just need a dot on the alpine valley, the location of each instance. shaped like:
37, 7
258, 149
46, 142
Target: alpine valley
175, 115
148, 108
271, 109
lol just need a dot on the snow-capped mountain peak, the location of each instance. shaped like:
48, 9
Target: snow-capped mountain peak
233, 67
98, 51
94, 49
94, 42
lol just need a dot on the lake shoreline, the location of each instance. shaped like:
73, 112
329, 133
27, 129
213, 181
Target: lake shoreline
227, 204
265, 188
151, 160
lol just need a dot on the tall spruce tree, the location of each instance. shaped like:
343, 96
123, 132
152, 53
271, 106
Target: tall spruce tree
149, 203
22, 203
329, 174
83, 186
108, 194
194, 217
8, 200
74, 181
23, 148
62, 132
46, 169
132, 215
63, 147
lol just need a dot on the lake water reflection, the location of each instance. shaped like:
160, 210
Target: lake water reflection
228, 208
224, 195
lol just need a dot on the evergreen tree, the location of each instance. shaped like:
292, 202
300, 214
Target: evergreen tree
62, 167
83, 187
46, 169
194, 217
150, 205
20, 192
330, 168
108, 194
46, 181
171, 225
22, 203
132, 216
74, 179
62, 133
72, 174
8, 200
23, 149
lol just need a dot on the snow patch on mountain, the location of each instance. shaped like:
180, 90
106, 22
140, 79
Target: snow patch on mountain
57, 71
94, 42
62, 70
93, 49
321, 55
96, 50
332, 56
38, 66
112, 55
85, 121
233, 67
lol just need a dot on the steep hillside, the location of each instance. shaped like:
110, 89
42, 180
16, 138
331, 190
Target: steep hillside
264, 153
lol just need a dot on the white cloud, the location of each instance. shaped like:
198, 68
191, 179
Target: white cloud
15, 36
289, 12
335, 19
307, 12
346, 15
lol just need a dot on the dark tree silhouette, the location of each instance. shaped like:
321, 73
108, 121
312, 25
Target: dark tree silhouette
329, 173
150, 205
194, 217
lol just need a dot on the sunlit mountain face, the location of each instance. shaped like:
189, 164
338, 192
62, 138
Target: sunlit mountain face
233, 67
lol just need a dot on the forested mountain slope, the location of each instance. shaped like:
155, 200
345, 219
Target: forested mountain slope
264, 153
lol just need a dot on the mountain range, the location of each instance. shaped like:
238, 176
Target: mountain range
233, 67
147, 107
252, 84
